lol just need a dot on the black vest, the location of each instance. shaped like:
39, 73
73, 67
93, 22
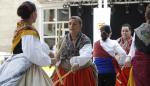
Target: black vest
18, 48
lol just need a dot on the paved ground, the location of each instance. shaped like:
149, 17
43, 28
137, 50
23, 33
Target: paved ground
48, 70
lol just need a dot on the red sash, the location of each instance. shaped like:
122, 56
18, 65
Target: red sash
100, 52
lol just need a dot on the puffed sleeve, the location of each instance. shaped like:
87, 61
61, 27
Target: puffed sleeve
34, 51
46, 48
85, 55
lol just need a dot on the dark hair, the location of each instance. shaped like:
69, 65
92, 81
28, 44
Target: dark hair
147, 13
105, 32
127, 25
26, 9
77, 18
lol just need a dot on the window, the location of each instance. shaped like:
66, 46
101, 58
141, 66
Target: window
55, 25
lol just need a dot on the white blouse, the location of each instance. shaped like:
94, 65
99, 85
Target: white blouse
35, 51
113, 47
85, 54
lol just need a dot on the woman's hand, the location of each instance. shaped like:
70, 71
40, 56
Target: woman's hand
75, 67
53, 61
127, 64
51, 54
117, 56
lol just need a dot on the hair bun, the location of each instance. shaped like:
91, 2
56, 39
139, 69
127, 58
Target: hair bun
26, 9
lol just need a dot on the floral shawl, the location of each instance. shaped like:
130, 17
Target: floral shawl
143, 33
68, 50
125, 44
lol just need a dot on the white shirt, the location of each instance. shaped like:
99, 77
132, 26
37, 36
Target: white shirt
35, 51
85, 54
113, 47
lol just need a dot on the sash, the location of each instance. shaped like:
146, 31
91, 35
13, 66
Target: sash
22, 32
98, 47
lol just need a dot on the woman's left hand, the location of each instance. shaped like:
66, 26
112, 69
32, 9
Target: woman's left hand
51, 54
75, 67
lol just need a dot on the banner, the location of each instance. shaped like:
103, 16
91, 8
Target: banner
101, 17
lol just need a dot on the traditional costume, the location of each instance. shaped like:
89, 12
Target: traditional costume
125, 44
141, 58
23, 68
103, 54
81, 54
124, 75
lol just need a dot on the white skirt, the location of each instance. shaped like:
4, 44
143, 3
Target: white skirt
18, 71
35, 76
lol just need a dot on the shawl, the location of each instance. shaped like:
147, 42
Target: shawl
23, 29
125, 44
68, 49
143, 33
